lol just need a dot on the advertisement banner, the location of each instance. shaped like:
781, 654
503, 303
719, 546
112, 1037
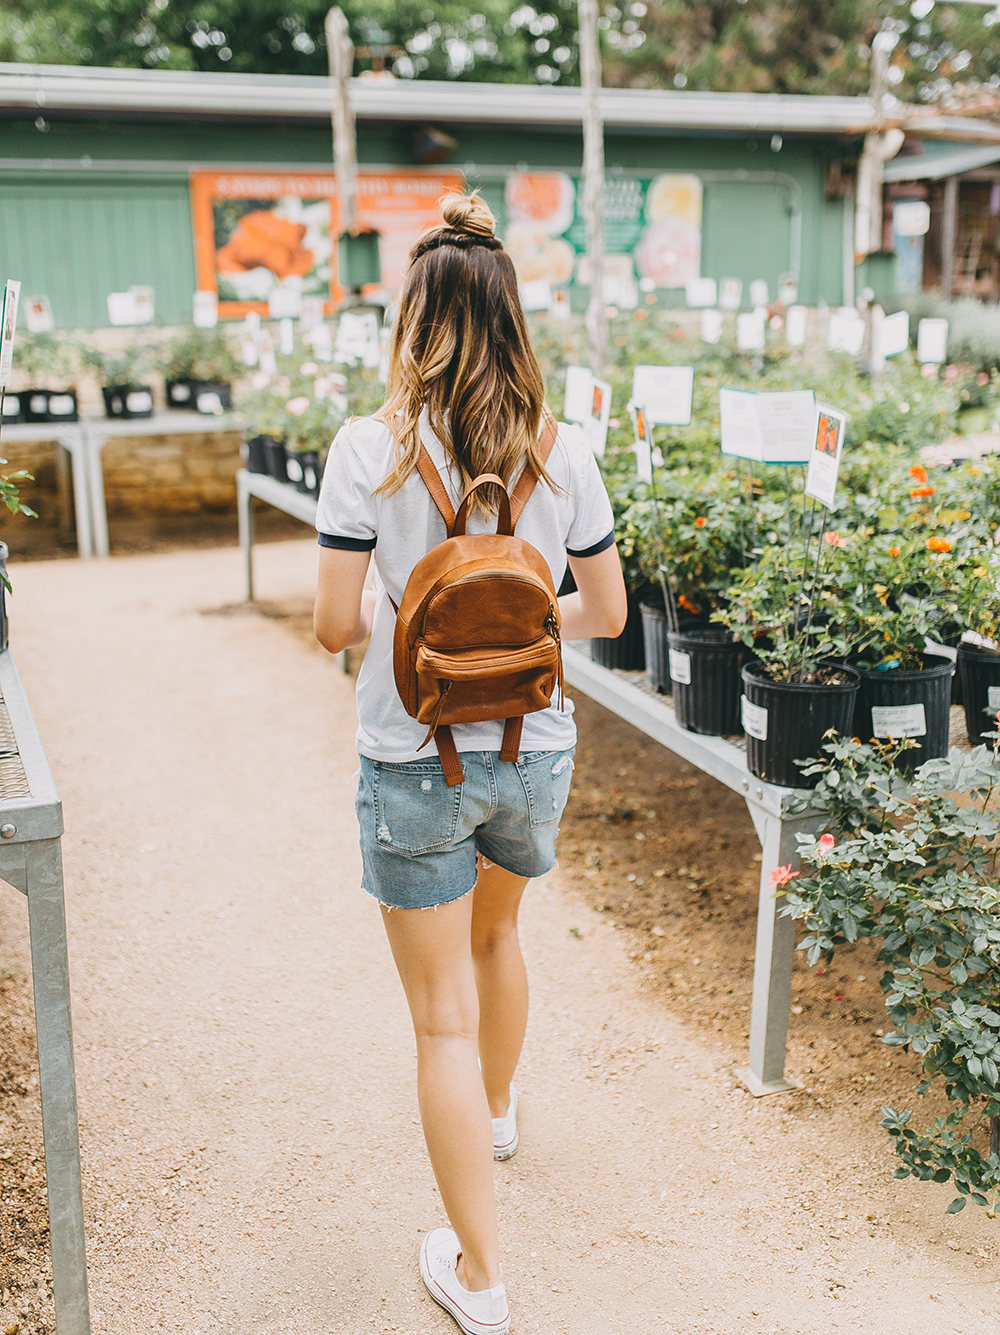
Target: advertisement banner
268, 239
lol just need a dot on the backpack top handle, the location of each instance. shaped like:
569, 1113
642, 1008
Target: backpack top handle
504, 525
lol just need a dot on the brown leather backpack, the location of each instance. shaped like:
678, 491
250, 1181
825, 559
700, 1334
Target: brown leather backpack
477, 631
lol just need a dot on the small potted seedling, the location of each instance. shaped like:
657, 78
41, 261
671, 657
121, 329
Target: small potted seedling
121, 373
199, 371
45, 370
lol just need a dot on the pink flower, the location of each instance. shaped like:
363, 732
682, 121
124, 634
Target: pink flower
297, 406
826, 842
782, 875
834, 540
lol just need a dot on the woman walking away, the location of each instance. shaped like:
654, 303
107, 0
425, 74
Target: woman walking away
466, 744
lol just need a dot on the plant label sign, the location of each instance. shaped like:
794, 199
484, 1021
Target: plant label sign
595, 426
776, 427
680, 667
665, 392
206, 310
824, 458
730, 293
711, 326
751, 330
932, 341
795, 326
754, 719
643, 443
993, 697
894, 336
8, 324
38, 315
890, 721
579, 383
701, 292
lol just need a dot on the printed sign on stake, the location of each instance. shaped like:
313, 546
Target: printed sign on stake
701, 292
711, 326
824, 458
758, 292
665, 393
730, 294
643, 443
38, 315
8, 324
795, 326
206, 310
895, 334
932, 341
750, 331
595, 428
579, 383
777, 427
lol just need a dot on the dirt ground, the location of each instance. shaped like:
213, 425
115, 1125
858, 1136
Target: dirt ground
252, 1156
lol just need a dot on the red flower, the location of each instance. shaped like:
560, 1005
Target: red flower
687, 604
894, 551
938, 545
919, 474
826, 842
834, 540
782, 875
922, 491
700, 522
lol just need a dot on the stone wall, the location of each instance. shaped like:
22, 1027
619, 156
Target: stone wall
182, 474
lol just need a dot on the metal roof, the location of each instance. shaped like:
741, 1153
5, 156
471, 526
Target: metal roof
956, 159
90, 89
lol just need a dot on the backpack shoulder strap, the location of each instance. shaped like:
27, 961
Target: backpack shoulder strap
526, 482
433, 483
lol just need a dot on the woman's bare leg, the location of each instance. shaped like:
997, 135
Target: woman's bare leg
432, 953
501, 980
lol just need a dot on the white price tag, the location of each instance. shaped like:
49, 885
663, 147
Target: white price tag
795, 326
932, 341
824, 458
595, 425
579, 387
899, 721
8, 323
680, 667
754, 719
993, 697
665, 392
643, 443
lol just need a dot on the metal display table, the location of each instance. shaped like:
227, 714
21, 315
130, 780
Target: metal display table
99, 430
282, 495
776, 829
72, 437
31, 861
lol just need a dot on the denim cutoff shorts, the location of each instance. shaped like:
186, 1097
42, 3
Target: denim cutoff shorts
419, 838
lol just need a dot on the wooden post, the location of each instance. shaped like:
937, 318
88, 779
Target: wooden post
949, 228
868, 217
593, 183
340, 51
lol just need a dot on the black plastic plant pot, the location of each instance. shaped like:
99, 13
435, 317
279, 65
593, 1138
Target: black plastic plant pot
914, 703
13, 409
979, 670
312, 473
785, 721
704, 665
276, 455
36, 405
128, 401
625, 651
255, 454
63, 406
211, 397
180, 393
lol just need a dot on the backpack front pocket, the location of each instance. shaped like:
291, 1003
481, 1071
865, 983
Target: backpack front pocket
475, 685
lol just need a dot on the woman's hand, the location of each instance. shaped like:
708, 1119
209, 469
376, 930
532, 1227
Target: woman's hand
344, 608
598, 609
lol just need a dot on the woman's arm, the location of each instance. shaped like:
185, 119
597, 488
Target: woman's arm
344, 608
598, 609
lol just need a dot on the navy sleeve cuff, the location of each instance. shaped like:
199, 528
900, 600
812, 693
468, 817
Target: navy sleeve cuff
597, 548
347, 544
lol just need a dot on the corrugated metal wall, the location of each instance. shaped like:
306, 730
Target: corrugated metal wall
76, 240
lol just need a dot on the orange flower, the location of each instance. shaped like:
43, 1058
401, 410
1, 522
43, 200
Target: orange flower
700, 522
894, 551
782, 875
919, 474
834, 540
922, 491
938, 545
687, 604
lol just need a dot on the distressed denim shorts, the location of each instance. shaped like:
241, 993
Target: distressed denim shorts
419, 838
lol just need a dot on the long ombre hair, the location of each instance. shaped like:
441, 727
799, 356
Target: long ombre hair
461, 350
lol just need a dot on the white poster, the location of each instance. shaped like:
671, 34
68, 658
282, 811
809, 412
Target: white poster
932, 341
8, 326
595, 426
777, 427
701, 292
38, 315
579, 383
536, 295
643, 443
665, 392
824, 458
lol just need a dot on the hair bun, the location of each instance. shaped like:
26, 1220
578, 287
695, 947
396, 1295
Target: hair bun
468, 213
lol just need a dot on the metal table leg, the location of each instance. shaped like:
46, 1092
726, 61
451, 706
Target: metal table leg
245, 517
774, 955
35, 868
95, 442
81, 495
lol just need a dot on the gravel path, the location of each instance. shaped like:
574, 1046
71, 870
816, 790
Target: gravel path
253, 1160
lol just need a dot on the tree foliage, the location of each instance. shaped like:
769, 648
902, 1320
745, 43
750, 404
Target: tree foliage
784, 46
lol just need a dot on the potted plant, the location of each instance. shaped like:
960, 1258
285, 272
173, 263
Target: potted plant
915, 868
978, 659
626, 651
200, 369
893, 592
121, 371
797, 687
44, 369
313, 418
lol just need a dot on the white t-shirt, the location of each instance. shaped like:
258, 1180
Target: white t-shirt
403, 527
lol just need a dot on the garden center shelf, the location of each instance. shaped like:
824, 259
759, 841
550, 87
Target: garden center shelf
31, 861
776, 827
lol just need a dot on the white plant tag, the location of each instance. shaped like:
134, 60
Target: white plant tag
993, 697
754, 719
899, 721
680, 667
8, 325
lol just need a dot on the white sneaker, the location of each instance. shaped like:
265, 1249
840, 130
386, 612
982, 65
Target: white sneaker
505, 1131
483, 1313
